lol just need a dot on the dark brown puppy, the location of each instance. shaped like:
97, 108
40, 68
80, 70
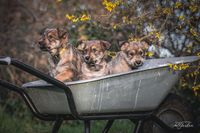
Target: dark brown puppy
131, 56
65, 59
94, 54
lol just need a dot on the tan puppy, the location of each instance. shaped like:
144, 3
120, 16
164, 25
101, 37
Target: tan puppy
69, 66
94, 54
131, 56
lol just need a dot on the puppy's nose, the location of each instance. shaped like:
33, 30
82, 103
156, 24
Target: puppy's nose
87, 57
43, 46
139, 62
40, 43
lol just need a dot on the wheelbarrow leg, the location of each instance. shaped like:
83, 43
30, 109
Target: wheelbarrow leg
57, 125
138, 126
108, 126
87, 126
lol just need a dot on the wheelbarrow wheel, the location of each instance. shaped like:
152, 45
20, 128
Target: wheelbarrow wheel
174, 109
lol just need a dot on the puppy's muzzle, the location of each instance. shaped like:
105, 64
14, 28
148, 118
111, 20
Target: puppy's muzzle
138, 63
43, 47
89, 61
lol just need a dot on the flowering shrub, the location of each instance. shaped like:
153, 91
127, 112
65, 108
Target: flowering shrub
169, 24
173, 25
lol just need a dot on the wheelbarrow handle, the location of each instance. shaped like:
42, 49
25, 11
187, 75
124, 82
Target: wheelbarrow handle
31, 70
26, 98
5, 60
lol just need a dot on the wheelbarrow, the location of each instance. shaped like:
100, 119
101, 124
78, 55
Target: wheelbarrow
136, 95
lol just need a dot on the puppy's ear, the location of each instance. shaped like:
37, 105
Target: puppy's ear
62, 34
81, 45
106, 44
123, 45
145, 45
41, 32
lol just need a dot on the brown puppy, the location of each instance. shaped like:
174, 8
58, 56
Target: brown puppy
53, 41
65, 59
131, 56
69, 66
94, 54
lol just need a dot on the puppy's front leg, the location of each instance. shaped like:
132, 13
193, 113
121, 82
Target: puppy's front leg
52, 67
66, 75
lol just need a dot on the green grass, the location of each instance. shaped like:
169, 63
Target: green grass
9, 124
13, 124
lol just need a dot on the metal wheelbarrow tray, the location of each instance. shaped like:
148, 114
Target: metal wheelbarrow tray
126, 95
142, 89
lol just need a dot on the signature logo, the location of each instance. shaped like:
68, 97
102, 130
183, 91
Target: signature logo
182, 124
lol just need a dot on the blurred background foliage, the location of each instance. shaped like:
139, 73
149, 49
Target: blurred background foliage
172, 28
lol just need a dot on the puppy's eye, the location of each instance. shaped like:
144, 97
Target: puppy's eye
131, 53
140, 53
64, 36
94, 49
50, 37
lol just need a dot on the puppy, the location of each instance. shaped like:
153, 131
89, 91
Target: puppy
53, 41
94, 55
65, 59
131, 56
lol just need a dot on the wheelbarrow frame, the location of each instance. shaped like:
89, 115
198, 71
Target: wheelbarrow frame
137, 118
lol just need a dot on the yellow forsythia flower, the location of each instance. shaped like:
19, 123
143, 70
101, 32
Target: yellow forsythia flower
85, 17
183, 66
175, 67
178, 4
195, 89
193, 32
114, 26
198, 54
75, 19
111, 54
178, 66
193, 8
110, 5
151, 33
71, 18
149, 54
157, 35
167, 11
181, 17
170, 65
124, 19
184, 84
